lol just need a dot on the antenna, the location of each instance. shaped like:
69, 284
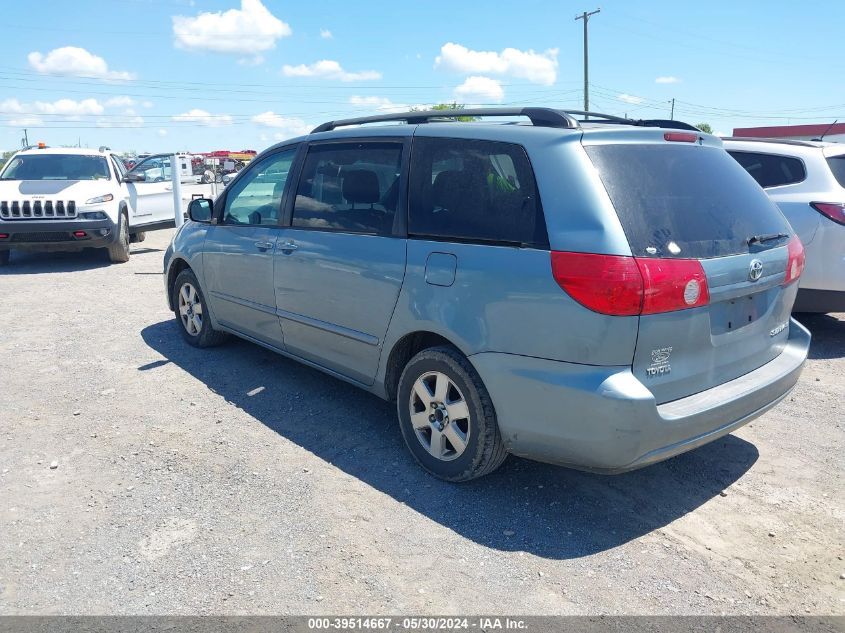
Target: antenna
826, 131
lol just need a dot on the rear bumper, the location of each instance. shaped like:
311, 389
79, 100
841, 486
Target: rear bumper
604, 419
56, 235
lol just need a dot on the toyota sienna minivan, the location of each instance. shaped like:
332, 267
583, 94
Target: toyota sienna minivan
594, 292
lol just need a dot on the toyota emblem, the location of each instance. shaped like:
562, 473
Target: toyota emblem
755, 271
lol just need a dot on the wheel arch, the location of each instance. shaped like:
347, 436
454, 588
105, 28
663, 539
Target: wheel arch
404, 350
176, 266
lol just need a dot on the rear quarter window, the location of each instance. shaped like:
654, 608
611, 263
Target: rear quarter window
684, 201
475, 191
771, 170
837, 166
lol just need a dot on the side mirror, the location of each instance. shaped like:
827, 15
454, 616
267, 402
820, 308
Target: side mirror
133, 177
200, 210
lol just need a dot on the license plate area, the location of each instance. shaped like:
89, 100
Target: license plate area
734, 314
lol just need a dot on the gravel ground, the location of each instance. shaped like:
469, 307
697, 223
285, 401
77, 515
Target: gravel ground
141, 476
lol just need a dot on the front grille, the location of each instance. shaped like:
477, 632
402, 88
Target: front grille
43, 236
37, 209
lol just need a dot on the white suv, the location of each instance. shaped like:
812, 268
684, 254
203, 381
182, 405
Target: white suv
70, 199
807, 181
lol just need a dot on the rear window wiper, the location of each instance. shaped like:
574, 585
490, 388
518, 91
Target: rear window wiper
761, 239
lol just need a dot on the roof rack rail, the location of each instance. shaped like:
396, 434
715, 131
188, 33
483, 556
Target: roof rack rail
543, 117
540, 117
785, 141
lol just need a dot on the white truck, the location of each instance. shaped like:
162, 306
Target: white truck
69, 199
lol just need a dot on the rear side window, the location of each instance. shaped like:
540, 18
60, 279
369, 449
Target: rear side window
685, 201
837, 166
771, 170
349, 187
471, 190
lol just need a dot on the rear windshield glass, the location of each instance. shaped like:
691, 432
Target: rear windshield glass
685, 201
56, 167
837, 166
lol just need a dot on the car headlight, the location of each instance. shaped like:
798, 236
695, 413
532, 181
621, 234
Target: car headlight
106, 198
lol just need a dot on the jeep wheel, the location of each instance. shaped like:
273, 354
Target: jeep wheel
4, 257
192, 312
119, 251
447, 418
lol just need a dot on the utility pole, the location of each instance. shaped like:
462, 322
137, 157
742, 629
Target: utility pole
672, 114
586, 17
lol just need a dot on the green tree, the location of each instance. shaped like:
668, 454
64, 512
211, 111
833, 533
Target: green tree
704, 127
452, 106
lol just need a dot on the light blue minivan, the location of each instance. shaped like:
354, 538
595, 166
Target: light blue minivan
590, 291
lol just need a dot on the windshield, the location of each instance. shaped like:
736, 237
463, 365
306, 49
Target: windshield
686, 201
837, 166
56, 167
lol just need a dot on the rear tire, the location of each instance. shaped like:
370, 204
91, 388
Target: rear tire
119, 251
5, 257
447, 417
137, 237
191, 312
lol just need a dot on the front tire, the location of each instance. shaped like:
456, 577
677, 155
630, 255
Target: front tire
447, 417
119, 251
191, 312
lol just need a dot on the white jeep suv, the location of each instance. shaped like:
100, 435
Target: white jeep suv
71, 198
806, 179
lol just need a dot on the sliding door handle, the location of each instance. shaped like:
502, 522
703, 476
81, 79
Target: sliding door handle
288, 247
264, 246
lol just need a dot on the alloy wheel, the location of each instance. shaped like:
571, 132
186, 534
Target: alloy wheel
440, 416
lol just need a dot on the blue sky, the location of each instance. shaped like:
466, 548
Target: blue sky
198, 75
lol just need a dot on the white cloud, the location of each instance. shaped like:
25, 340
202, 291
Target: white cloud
162, 131
147, 104
246, 31
667, 80
66, 107
480, 89
383, 104
540, 68
329, 69
120, 102
326, 34
626, 98
25, 121
203, 118
11, 106
71, 60
292, 126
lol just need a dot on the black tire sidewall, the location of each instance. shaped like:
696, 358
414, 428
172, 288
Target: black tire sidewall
457, 468
186, 276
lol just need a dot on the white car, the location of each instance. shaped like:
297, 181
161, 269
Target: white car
70, 199
806, 179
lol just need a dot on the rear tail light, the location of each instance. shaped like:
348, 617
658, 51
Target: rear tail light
832, 210
4, 236
680, 137
795, 263
628, 286
672, 284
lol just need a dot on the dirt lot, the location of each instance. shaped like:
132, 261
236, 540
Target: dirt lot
139, 475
